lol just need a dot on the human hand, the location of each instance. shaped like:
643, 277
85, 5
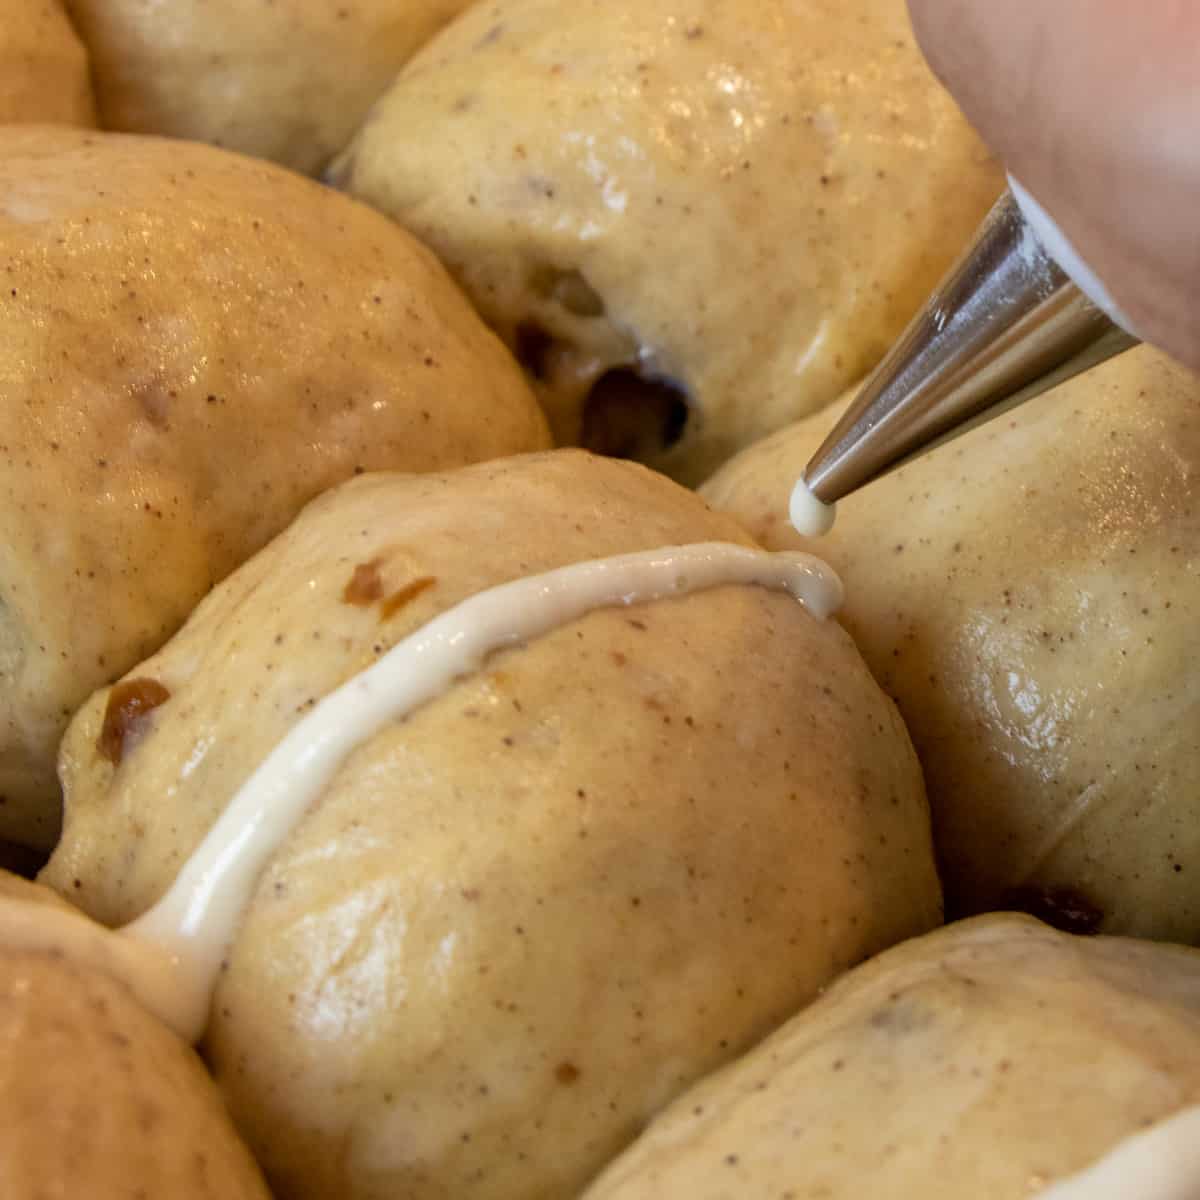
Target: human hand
1094, 105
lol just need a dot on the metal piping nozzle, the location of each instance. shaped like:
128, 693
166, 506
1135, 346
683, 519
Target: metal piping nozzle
1005, 324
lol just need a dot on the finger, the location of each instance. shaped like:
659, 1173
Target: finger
1095, 106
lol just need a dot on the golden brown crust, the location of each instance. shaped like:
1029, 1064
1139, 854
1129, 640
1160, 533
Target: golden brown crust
520, 919
43, 66
1028, 595
97, 1098
986, 1059
288, 82
746, 201
195, 345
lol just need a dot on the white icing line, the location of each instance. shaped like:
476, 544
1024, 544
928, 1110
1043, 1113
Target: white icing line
195, 922
1161, 1163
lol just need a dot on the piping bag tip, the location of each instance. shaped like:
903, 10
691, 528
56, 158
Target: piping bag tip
1006, 324
810, 516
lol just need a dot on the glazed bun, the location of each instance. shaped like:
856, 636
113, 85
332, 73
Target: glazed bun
195, 345
694, 222
520, 919
97, 1098
1027, 593
989, 1059
43, 66
288, 81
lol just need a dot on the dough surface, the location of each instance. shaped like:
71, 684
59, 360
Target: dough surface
523, 918
195, 344
746, 200
98, 1099
43, 66
1028, 595
987, 1060
288, 81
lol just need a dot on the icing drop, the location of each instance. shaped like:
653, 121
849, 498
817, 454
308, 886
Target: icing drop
171, 955
810, 517
1160, 1163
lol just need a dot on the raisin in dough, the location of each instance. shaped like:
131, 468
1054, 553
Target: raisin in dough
521, 919
195, 344
287, 80
694, 220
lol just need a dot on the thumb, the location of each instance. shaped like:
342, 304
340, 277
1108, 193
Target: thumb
1095, 106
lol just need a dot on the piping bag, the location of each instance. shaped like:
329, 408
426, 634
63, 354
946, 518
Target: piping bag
1017, 314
